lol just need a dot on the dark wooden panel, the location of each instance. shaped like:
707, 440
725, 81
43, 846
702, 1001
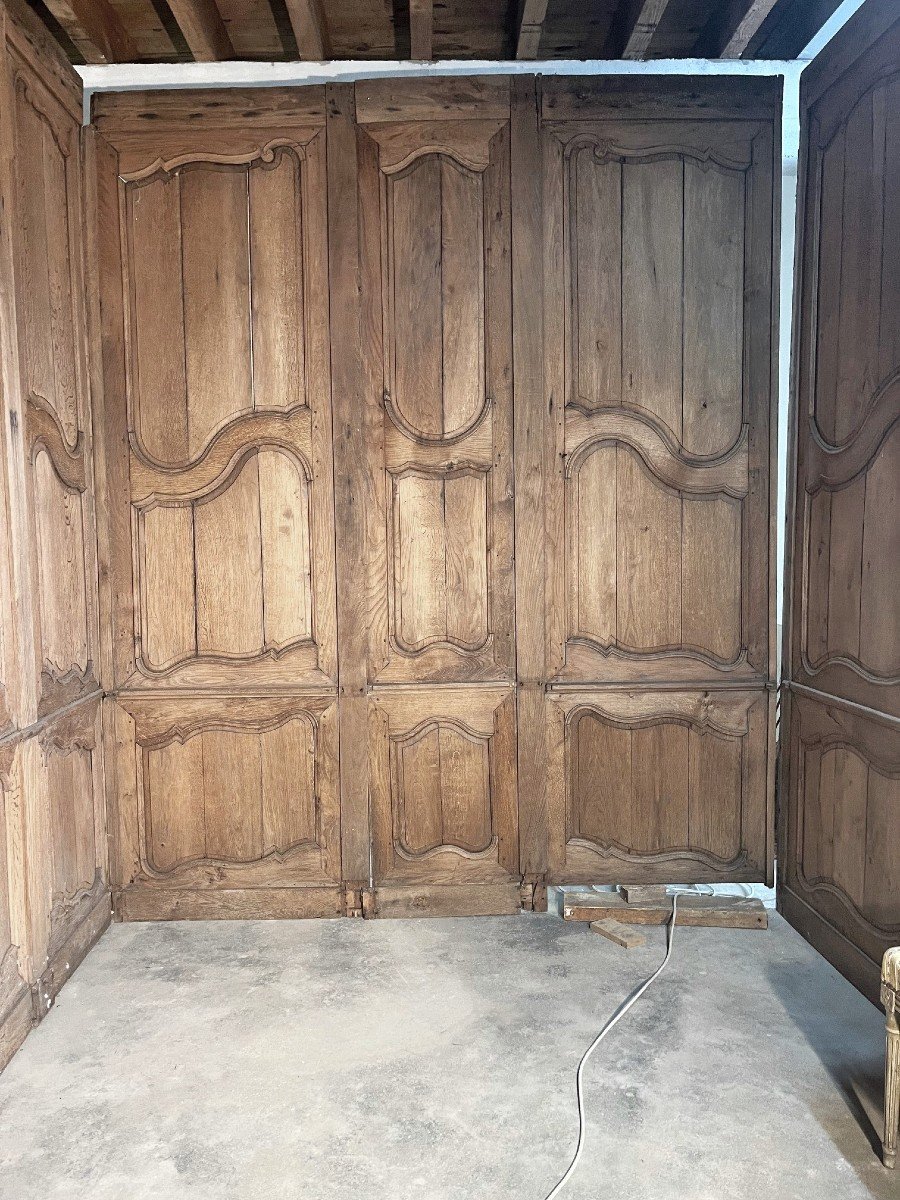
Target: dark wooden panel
841, 733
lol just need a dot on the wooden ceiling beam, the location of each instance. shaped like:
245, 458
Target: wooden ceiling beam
641, 21
421, 29
732, 27
203, 29
95, 27
531, 26
310, 29
789, 28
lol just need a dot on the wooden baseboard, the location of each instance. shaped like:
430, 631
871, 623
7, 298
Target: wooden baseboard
463, 900
853, 964
15, 1025
140, 903
71, 954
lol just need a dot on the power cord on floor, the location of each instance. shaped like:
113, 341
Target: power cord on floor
613, 1020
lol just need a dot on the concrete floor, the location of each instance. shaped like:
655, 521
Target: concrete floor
351, 1060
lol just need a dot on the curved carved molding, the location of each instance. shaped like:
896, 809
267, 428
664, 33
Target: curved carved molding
183, 731
852, 663
266, 154
620, 650
830, 888
222, 462
728, 473
867, 85
823, 742
466, 144
285, 858
279, 424
698, 714
602, 151
423, 439
425, 726
833, 467
45, 432
59, 686
73, 732
675, 854
489, 850
68, 908
62, 138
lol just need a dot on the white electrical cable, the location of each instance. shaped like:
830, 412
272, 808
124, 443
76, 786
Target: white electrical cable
617, 1016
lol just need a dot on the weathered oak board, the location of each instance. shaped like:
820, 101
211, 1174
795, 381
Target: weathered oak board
713, 911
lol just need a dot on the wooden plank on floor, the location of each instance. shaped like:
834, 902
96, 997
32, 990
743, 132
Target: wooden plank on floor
623, 935
722, 912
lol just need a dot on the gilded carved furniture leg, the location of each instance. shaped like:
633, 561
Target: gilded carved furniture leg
890, 998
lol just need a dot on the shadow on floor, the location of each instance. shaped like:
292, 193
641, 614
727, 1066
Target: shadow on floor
854, 1064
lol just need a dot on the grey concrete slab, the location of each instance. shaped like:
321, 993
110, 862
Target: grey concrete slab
351, 1060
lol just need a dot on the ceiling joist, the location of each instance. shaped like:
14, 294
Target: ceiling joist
203, 29
310, 29
95, 28
732, 27
421, 29
531, 26
642, 22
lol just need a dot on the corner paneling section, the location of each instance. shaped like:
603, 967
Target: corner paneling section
54, 894
841, 741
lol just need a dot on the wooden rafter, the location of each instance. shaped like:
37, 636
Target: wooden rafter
310, 29
642, 21
203, 29
421, 28
732, 27
788, 28
531, 26
95, 27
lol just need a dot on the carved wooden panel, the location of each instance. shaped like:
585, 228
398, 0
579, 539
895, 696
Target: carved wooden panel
235, 795
55, 410
656, 235
848, 506
436, 211
841, 725
657, 785
844, 825
444, 780
228, 410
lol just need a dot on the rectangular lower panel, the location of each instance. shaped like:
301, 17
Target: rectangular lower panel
840, 833
658, 786
222, 804
443, 768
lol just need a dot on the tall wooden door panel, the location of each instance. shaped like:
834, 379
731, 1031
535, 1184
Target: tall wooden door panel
434, 180
658, 297
54, 893
841, 753
222, 533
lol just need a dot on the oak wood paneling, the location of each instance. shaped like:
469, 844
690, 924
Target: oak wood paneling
842, 640
547, 370
54, 895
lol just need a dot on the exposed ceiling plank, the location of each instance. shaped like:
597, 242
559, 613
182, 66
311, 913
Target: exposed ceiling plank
94, 26
531, 26
203, 29
310, 29
731, 27
642, 18
789, 28
421, 28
